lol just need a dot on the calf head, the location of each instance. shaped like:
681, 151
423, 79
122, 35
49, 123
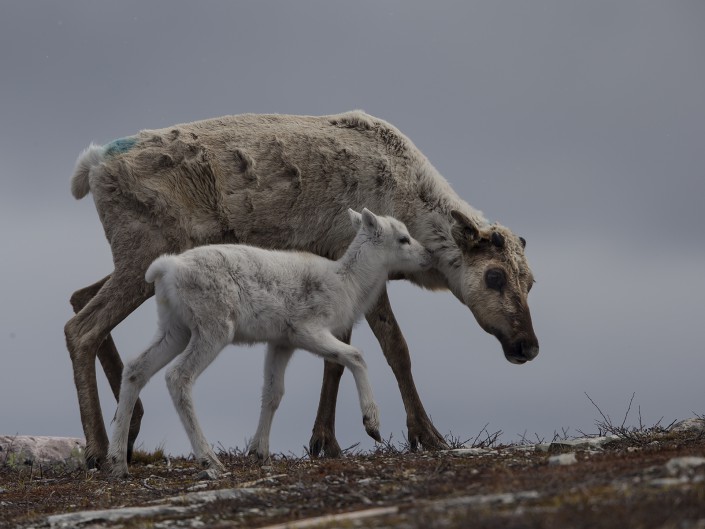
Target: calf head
395, 248
494, 281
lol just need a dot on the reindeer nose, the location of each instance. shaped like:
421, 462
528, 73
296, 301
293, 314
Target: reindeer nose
529, 350
522, 351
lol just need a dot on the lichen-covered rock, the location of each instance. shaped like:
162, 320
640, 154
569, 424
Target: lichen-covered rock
581, 443
695, 424
27, 449
563, 459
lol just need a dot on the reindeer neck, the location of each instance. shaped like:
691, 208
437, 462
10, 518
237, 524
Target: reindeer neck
426, 210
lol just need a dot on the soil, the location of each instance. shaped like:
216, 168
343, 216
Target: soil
626, 483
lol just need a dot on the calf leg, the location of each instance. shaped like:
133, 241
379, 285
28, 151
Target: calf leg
386, 329
199, 354
272, 392
110, 361
330, 348
136, 375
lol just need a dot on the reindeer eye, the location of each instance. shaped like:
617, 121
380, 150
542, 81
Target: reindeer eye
496, 279
404, 240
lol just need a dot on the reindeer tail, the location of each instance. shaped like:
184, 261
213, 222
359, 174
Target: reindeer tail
92, 156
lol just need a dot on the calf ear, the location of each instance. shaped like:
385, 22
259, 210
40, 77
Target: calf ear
370, 221
465, 233
355, 218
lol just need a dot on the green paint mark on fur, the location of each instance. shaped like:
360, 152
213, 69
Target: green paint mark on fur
120, 146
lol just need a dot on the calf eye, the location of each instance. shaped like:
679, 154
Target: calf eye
496, 279
404, 240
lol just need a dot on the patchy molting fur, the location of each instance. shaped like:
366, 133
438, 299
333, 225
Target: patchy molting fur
272, 181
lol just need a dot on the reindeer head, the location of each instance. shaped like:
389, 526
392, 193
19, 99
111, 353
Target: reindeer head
494, 282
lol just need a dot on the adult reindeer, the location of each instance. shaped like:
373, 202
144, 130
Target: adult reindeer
285, 182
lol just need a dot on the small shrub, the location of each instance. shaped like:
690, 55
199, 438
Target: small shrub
142, 457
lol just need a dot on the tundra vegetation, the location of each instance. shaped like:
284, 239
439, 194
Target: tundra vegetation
286, 182
655, 477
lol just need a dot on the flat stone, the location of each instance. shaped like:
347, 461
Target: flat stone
502, 498
208, 474
208, 496
176, 505
469, 451
74, 519
669, 482
583, 443
337, 520
679, 465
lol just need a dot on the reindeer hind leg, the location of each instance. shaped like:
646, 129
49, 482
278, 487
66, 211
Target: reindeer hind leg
105, 304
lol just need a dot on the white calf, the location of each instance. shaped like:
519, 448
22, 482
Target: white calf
211, 296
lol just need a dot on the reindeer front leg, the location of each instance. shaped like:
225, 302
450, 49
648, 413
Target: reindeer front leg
323, 435
386, 329
420, 428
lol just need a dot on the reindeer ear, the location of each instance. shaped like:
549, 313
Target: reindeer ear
369, 220
355, 218
465, 233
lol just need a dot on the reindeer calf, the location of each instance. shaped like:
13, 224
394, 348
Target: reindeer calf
211, 296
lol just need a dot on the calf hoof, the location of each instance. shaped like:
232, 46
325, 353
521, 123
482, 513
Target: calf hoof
117, 467
374, 434
263, 458
213, 463
371, 423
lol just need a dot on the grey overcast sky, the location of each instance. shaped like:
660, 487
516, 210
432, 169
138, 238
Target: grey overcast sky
579, 125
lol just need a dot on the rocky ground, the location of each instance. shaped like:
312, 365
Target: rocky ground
641, 478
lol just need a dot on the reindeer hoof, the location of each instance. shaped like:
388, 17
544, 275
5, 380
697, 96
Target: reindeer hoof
325, 444
95, 458
91, 462
422, 432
